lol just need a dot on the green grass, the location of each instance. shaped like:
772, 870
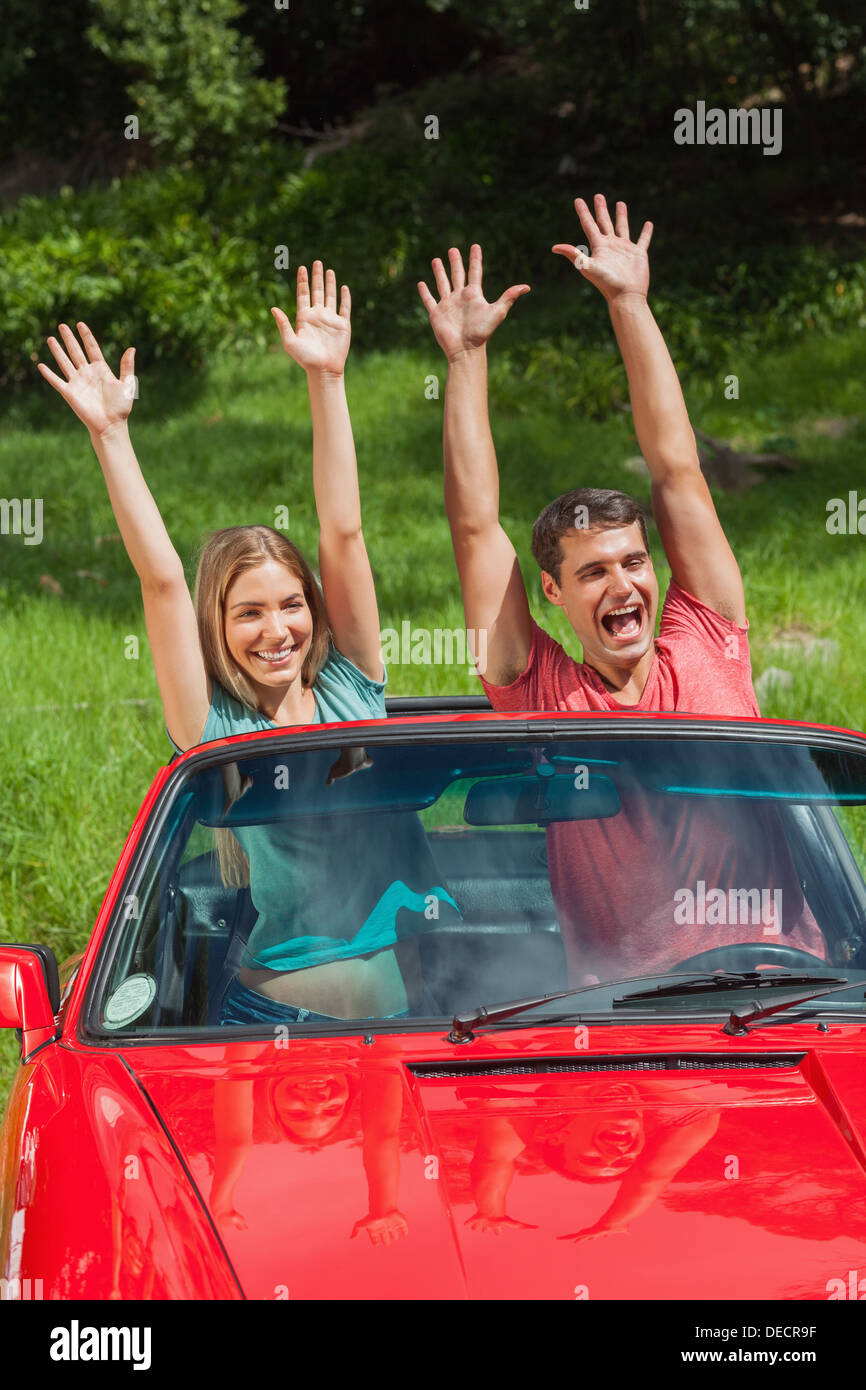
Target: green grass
235, 445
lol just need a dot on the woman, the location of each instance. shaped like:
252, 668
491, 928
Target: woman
261, 646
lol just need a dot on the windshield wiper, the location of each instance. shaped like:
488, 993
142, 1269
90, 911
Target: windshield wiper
736, 1024
750, 979
727, 979
462, 1024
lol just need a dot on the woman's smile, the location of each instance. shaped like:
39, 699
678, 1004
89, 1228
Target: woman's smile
277, 656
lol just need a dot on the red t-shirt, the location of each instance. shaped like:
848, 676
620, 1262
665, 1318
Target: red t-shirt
618, 882
701, 666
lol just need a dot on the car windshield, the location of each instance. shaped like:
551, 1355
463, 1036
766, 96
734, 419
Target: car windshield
427, 873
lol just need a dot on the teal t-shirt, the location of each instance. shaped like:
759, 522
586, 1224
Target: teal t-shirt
342, 693
324, 889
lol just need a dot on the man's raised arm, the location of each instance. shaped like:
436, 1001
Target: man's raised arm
696, 547
494, 597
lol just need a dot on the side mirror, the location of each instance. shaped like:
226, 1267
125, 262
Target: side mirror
29, 994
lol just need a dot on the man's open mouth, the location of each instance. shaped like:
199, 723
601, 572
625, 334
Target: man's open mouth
615, 1137
624, 624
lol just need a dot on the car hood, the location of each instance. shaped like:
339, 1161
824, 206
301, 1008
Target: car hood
332, 1169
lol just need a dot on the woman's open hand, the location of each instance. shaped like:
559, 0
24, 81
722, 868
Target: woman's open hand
462, 319
616, 265
99, 398
319, 342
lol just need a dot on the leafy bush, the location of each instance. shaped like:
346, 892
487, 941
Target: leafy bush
182, 259
140, 261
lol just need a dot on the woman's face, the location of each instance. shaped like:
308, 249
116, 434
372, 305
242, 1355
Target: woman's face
268, 623
311, 1108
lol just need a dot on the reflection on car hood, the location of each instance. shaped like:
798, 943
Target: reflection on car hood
337, 1170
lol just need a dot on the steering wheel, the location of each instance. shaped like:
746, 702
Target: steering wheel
748, 955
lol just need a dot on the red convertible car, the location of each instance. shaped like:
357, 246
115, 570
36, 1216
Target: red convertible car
618, 1048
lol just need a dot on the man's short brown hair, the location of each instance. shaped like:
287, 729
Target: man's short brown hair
603, 510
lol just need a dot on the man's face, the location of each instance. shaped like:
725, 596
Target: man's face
605, 1143
603, 572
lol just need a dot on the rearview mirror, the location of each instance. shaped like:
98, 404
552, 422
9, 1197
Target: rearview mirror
541, 798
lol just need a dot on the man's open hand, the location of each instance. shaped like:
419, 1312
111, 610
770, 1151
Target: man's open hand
320, 340
596, 1232
495, 1225
616, 265
382, 1230
463, 319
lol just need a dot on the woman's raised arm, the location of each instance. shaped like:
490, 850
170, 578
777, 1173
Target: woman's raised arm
103, 403
320, 344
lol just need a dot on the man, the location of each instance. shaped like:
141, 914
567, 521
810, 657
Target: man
613, 895
599, 571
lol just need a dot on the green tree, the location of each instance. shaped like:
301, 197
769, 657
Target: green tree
192, 75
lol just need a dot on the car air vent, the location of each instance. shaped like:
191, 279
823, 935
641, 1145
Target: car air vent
545, 1066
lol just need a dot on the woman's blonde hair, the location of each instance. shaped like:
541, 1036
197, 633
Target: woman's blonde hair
225, 555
